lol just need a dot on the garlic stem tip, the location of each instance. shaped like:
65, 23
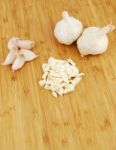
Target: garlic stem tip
65, 14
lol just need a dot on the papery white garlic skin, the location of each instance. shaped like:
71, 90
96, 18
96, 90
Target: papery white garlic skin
94, 40
68, 29
10, 57
29, 55
18, 63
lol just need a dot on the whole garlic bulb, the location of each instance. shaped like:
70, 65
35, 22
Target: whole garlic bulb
94, 40
68, 29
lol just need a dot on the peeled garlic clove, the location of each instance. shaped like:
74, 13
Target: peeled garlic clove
18, 63
12, 43
15, 43
10, 57
29, 55
68, 29
94, 40
24, 44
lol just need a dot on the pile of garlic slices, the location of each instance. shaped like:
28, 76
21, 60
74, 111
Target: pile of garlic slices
94, 40
60, 76
19, 53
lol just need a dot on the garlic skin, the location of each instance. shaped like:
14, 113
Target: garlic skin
68, 29
94, 40
18, 63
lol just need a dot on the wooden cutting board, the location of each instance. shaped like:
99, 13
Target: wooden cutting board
30, 117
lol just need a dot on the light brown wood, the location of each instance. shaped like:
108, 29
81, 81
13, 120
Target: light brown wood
30, 117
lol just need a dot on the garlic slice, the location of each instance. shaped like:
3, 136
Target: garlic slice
10, 57
29, 55
18, 63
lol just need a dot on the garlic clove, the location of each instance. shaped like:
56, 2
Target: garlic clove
25, 44
10, 57
68, 29
12, 43
15, 43
18, 63
29, 55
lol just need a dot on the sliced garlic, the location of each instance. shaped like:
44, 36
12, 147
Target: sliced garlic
60, 76
45, 75
54, 94
68, 88
76, 80
42, 82
71, 62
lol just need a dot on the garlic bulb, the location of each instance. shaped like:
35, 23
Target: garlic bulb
94, 40
68, 29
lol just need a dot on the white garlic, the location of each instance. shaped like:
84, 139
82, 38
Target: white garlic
60, 76
42, 82
12, 43
94, 40
15, 43
29, 55
18, 56
25, 44
68, 29
18, 63
10, 57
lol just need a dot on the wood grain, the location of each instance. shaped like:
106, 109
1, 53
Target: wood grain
30, 118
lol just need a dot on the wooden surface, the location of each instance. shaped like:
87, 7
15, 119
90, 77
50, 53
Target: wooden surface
30, 117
